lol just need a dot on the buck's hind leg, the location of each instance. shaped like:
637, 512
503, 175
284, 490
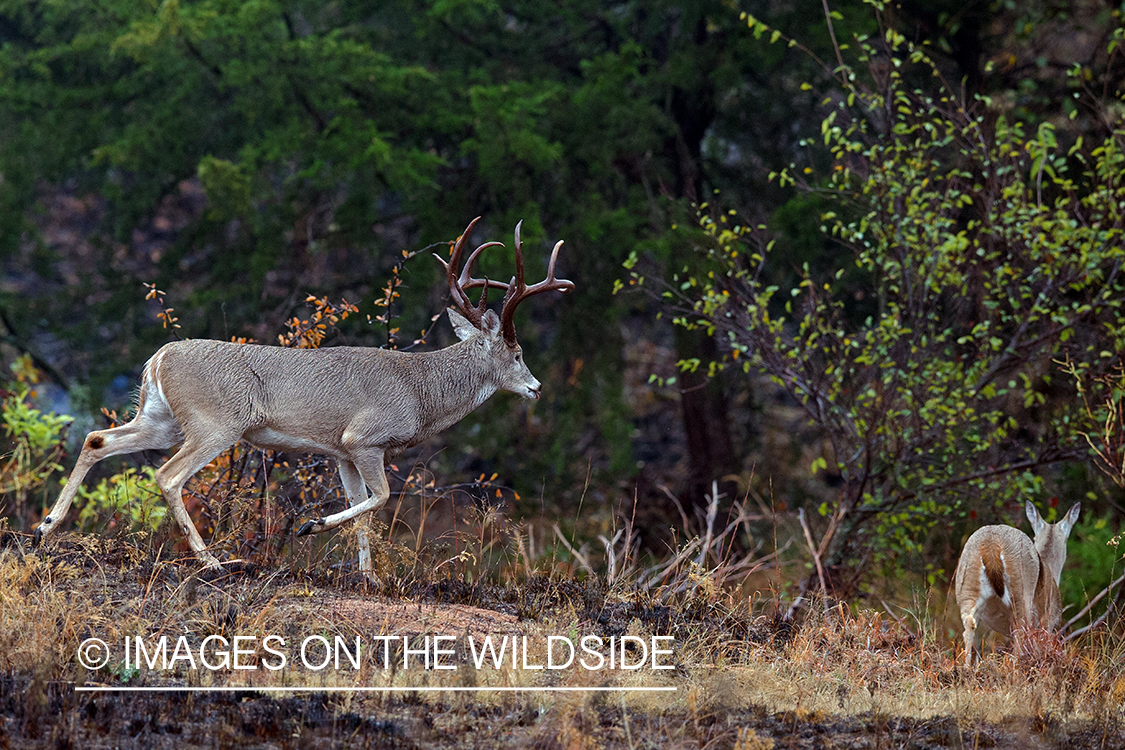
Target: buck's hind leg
151, 429
193, 455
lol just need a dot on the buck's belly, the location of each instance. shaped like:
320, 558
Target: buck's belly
270, 439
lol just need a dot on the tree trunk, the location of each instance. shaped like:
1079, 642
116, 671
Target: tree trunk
706, 425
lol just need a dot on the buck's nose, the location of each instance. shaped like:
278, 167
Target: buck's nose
531, 390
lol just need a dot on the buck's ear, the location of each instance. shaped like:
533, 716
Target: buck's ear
490, 323
461, 325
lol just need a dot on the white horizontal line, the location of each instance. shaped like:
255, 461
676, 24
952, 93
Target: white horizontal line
426, 689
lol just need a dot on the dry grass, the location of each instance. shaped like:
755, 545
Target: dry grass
849, 664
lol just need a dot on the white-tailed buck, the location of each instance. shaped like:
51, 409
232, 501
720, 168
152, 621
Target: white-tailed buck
1006, 582
361, 406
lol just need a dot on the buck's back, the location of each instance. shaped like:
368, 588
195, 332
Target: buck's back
308, 396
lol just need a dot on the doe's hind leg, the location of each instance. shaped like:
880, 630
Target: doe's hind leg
972, 638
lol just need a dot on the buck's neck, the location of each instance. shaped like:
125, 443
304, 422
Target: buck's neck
452, 384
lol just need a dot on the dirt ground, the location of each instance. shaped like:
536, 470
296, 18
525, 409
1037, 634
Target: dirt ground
37, 715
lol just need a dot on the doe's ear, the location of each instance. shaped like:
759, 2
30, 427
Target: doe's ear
490, 323
1033, 516
461, 325
1071, 518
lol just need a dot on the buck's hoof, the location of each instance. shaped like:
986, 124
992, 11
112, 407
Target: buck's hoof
37, 536
310, 526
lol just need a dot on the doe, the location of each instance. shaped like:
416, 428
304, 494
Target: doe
1006, 582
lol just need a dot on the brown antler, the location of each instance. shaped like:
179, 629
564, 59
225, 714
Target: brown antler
459, 285
518, 291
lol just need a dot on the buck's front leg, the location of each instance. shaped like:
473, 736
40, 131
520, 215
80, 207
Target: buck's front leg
370, 469
356, 491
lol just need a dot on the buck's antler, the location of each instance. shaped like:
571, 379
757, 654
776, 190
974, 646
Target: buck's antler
459, 285
518, 291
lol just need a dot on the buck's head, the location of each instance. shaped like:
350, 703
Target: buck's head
503, 363
492, 338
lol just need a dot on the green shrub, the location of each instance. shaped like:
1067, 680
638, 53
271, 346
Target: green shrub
131, 494
32, 445
989, 247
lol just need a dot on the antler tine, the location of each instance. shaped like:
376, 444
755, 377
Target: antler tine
563, 285
516, 285
457, 295
467, 281
518, 291
518, 242
458, 284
